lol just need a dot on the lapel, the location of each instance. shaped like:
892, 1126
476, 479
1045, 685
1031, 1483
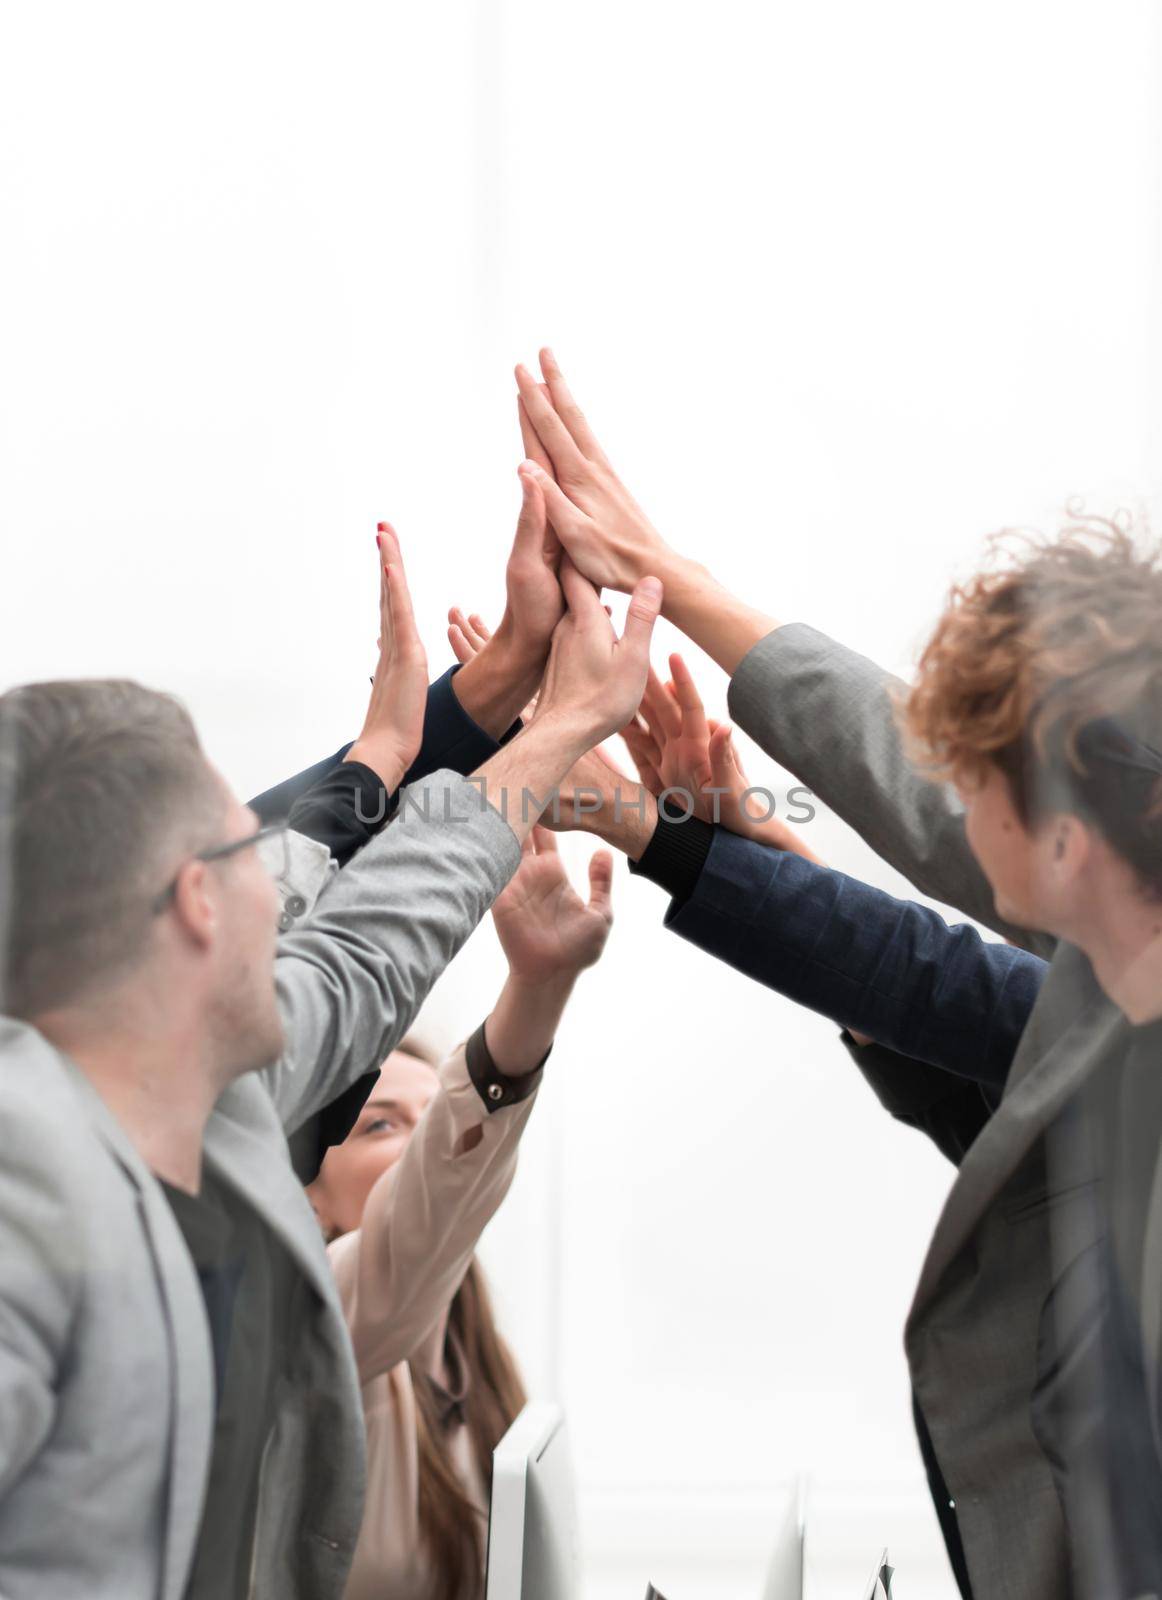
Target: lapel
1152, 1299
247, 1149
191, 1434
1070, 1032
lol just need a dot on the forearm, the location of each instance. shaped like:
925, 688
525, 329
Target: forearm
828, 715
523, 777
498, 683
886, 968
351, 980
524, 1022
709, 615
625, 817
423, 1219
949, 1109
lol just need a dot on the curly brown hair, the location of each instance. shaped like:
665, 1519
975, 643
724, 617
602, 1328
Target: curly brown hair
1048, 666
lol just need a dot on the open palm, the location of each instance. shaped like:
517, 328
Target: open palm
545, 928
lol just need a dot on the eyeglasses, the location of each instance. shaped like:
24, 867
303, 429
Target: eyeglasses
219, 852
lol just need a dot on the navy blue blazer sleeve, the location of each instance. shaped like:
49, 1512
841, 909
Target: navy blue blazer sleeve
879, 966
451, 739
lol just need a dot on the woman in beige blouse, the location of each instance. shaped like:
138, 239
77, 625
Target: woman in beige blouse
404, 1200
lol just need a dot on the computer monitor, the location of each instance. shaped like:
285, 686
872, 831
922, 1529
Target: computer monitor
533, 1542
784, 1580
880, 1584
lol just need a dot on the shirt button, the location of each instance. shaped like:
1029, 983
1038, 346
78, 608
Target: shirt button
495, 1091
285, 923
295, 905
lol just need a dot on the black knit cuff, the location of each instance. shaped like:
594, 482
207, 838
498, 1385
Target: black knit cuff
676, 854
495, 1088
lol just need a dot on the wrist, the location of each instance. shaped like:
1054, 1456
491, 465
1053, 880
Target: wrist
386, 762
684, 581
627, 820
539, 989
496, 685
523, 1024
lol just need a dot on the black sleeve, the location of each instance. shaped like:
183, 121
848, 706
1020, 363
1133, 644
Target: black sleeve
676, 855
343, 809
950, 1110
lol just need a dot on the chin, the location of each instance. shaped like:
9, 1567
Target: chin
260, 1046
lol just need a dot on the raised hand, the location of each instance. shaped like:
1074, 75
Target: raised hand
607, 534
675, 746
546, 930
394, 725
500, 672
594, 680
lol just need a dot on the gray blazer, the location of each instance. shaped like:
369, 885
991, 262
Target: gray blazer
106, 1387
972, 1334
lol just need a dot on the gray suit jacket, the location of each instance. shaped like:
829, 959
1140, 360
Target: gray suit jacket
106, 1386
1021, 1198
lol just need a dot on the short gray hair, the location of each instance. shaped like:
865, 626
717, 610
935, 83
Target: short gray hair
102, 782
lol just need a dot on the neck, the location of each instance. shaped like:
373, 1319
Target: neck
1125, 948
150, 1067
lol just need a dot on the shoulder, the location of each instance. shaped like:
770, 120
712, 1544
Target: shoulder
42, 1114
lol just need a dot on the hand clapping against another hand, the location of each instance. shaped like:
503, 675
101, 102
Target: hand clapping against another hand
394, 725
594, 681
606, 533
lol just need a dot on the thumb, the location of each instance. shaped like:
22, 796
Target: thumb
530, 526
721, 763
564, 515
601, 882
644, 606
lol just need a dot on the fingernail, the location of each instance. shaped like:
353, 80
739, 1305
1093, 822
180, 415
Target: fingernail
652, 588
382, 526
531, 466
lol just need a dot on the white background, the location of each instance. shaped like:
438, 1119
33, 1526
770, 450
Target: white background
843, 288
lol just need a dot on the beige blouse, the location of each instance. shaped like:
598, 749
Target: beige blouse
397, 1275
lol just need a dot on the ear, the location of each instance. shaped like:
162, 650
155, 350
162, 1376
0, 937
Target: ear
194, 905
1072, 846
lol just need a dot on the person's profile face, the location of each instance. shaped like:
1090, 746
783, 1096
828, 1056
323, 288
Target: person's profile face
248, 897
403, 1092
1004, 848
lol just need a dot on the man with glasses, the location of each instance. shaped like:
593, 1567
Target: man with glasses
179, 1409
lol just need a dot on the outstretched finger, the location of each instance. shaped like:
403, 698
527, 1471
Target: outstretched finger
689, 700
648, 769
473, 628
721, 763
384, 608
568, 410
558, 442
461, 649
533, 448
406, 636
545, 840
661, 709
566, 520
